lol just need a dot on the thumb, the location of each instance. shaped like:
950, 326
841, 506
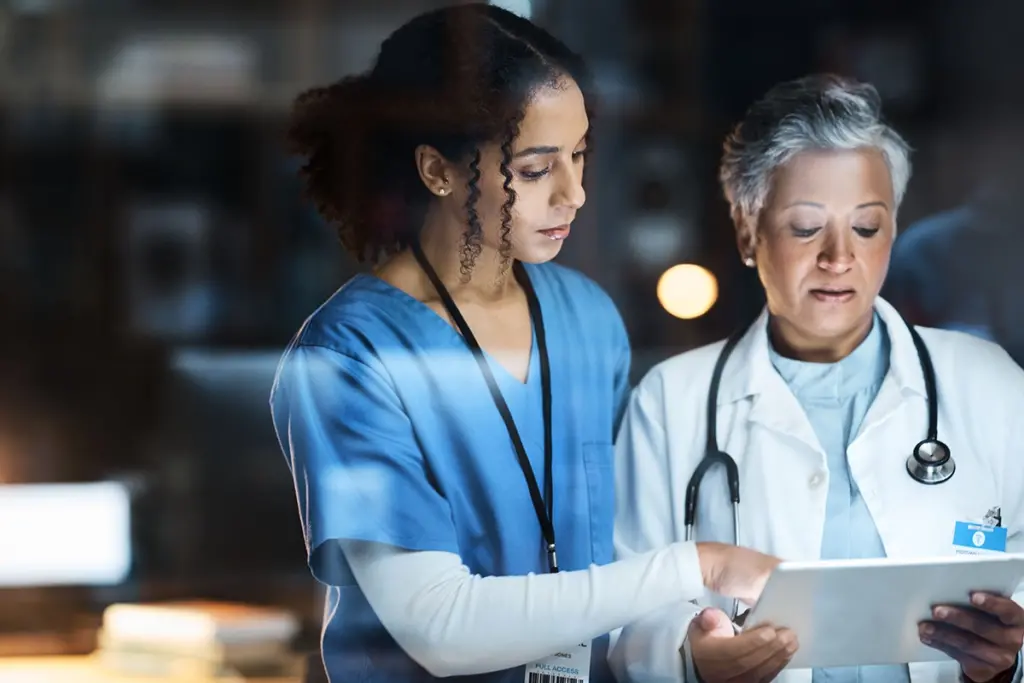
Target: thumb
714, 621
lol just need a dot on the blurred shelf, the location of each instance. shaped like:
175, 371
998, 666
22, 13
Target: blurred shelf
85, 669
270, 99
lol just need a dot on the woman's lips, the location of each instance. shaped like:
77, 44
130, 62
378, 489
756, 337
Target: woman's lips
833, 296
558, 233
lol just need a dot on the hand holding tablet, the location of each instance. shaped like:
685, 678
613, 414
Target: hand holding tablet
985, 637
862, 612
720, 654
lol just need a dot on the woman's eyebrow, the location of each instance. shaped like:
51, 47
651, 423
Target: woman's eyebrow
542, 149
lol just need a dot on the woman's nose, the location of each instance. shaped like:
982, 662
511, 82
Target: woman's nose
837, 255
570, 188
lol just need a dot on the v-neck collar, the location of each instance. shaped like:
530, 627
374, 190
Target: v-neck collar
423, 311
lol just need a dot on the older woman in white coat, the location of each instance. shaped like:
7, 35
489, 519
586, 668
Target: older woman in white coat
820, 403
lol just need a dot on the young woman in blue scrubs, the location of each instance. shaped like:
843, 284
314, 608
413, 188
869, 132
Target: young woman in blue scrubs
448, 419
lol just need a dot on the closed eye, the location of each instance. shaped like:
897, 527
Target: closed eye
866, 232
534, 175
804, 232
540, 173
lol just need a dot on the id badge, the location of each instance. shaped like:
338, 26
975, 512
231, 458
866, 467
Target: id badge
971, 538
570, 666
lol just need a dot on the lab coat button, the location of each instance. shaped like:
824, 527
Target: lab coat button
816, 480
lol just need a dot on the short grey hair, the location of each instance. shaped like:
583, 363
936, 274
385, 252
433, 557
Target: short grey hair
818, 112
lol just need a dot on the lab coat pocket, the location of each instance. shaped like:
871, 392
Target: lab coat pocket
598, 463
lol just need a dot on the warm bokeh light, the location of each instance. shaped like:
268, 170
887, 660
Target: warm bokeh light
687, 290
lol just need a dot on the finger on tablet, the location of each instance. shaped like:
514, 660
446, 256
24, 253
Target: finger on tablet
1005, 609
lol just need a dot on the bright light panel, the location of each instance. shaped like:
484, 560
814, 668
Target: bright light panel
65, 534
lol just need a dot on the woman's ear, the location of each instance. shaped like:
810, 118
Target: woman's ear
746, 236
435, 171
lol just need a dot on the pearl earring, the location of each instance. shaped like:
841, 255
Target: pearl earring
749, 262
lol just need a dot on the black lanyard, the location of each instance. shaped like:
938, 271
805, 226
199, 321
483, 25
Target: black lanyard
545, 515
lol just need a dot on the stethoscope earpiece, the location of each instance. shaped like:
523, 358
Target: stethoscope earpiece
931, 463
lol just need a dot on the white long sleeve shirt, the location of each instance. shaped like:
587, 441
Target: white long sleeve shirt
455, 623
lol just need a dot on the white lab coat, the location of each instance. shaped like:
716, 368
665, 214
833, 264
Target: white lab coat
784, 480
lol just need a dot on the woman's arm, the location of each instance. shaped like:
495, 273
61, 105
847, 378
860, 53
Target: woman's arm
370, 513
454, 623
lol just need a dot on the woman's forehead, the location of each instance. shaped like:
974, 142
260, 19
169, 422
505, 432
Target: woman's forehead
555, 116
832, 178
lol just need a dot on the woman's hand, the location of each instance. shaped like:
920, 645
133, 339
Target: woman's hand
734, 571
722, 656
985, 638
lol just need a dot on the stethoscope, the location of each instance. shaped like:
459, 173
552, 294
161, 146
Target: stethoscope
929, 463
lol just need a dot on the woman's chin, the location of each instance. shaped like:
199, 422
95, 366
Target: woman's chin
541, 252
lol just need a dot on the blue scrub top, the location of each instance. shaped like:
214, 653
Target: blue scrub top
392, 436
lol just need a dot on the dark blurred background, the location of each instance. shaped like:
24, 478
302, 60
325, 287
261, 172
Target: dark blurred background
156, 254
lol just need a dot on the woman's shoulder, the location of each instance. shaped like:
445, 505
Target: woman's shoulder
585, 313
367, 340
573, 290
972, 360
353, 332
683, 376
361, 316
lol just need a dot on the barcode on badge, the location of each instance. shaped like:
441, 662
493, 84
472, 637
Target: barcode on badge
535, 677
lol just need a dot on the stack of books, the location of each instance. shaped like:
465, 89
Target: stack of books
197, 639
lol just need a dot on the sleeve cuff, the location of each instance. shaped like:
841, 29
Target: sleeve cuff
689, 670
691, 580
654, 649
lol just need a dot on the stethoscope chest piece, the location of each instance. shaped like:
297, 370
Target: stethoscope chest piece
931, 462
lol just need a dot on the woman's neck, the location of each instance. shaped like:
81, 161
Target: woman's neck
489, 280
790, 342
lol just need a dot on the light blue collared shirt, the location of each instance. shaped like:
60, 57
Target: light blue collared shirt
836, 397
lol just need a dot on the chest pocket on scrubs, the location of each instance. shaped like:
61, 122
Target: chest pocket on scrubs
598, 463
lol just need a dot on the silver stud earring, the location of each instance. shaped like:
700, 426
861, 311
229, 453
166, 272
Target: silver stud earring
749, 262
442, 191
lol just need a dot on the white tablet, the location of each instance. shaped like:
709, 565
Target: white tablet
862, 612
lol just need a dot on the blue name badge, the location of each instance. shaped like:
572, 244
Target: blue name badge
970, 538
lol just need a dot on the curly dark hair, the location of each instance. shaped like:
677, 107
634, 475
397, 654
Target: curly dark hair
454, 79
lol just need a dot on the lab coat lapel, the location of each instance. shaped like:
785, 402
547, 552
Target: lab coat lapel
750, 374
904, 377
777, 409
762, 425
894, 424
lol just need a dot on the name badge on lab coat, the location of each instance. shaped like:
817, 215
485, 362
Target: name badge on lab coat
570, 666
971, 538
